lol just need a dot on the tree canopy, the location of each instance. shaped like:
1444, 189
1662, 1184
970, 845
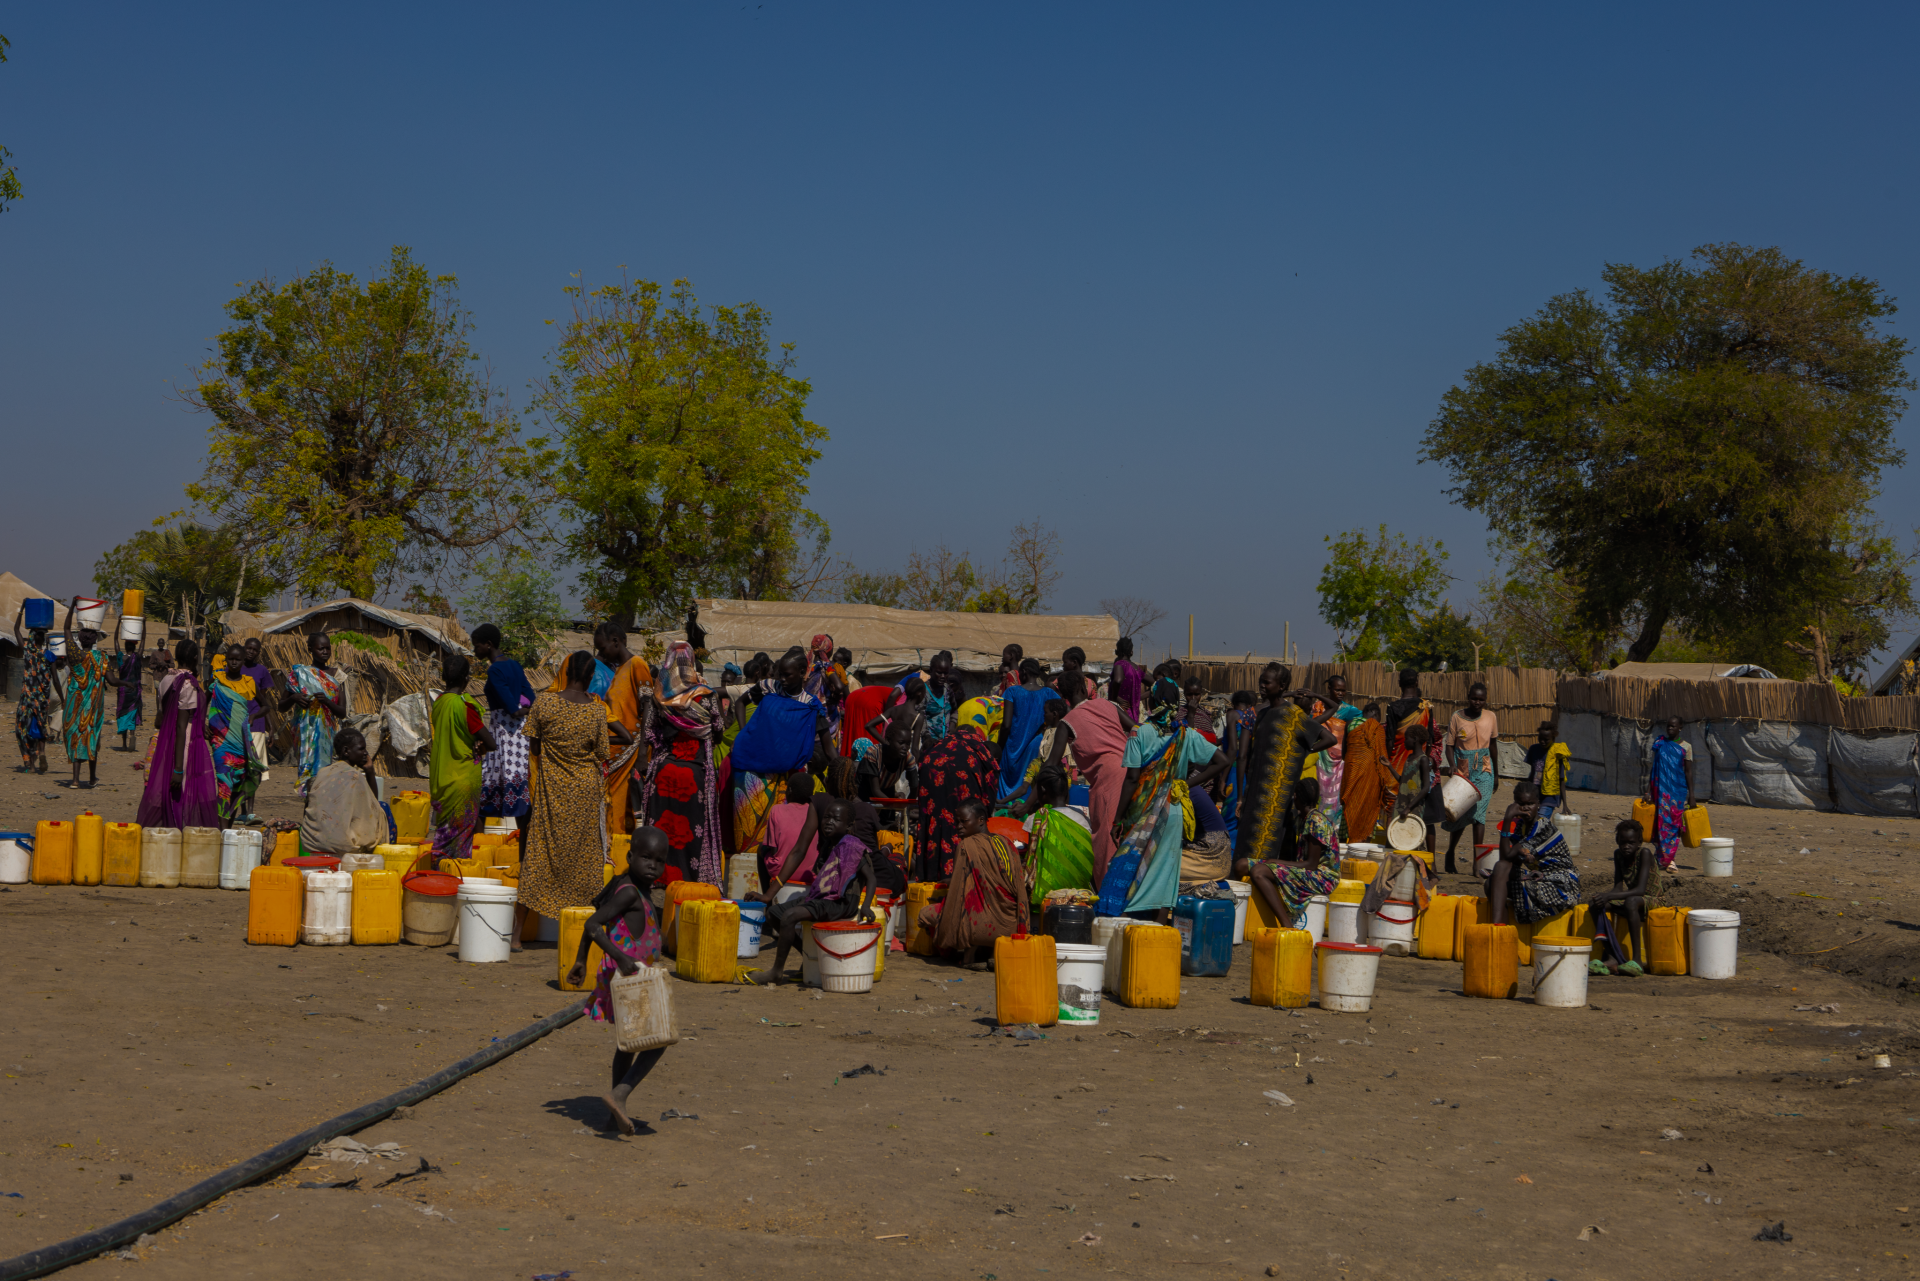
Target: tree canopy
9, 178
1373, 591
680, 449
1699, 447
189, 574
353, 439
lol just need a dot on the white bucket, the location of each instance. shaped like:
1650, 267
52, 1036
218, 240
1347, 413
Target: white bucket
57, 645
132, 628
753, 923
88, 612
788, 893
1343, 922
1242, 897
1568, 825
497, 824
16, 858
847, 957
1401, 887
1459, 795
1313, 918
1391, 928
1717, 853
1083, 969
1484, 861
1363, 849
1407, 833
1347, 975
809, 957
1560, 974
239, 855
326, 918
1715, 942
742, 876
486, 920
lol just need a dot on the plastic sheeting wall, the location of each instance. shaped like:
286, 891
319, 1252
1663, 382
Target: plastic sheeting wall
1876, 773
1770, 765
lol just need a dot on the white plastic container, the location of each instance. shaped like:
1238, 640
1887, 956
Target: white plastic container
1715, 942
1568, 825
57, 646
1242, 899
326, 920
847, 956
1313, 918
1459, 795
16, 858
1716, 852
361, 863
88, 612
788, 893
1401, 887
742, 876
1407, 832
1560, 974
159, 857
1363, 849
753, 924
1484, 861
1083, 968
1116, 943
497, 824
238, 857
1347, 975
486, 920
809, 957
1343, 923
643, 1010
132, 628
200, 857
1391, 928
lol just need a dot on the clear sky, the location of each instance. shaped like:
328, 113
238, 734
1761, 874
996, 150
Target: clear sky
1184, 282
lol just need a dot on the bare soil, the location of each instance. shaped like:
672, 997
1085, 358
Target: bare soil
1441, 1136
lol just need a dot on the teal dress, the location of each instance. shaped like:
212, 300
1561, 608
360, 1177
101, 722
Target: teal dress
1159, 881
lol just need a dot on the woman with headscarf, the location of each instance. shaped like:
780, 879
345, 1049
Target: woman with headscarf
319, 691
788, 726
236, 774
1363, 781
959, 770
1025, 719
1284, 738
505, 788
1164, 761
180, 788
1670, 790
567, 840
1100, 728
1329, 765
824, 680
679, 793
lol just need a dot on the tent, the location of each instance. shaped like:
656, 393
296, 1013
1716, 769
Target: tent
423, 633
1689, 671
1893, 679
891, 642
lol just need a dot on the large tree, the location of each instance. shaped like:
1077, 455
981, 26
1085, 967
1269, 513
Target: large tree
9, 179
191, 575
354, 438
681, 449
1702, 445
1374, 591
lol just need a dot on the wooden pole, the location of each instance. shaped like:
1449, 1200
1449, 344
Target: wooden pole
1189, 637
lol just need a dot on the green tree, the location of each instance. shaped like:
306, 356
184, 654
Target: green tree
353, 439
1529, 611
1441, 640
1373, 590
1696, 447
681, 448
9, 179
191, 575
522, 598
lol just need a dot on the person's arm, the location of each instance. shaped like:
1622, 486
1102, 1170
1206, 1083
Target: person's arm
1316, 737
19, 617
869, 883
619, 733
113, 675
595, 933
1126, 800
1213, 769
73, 646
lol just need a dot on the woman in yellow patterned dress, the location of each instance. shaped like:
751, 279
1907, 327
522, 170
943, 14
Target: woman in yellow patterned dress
567, 828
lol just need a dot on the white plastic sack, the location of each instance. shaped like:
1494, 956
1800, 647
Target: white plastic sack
407, 726
1512, 762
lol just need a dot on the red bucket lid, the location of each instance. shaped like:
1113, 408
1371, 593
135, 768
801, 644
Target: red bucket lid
324, 862
837, 926
1346, 947
438, 884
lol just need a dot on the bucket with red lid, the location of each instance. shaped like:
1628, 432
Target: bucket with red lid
429, 908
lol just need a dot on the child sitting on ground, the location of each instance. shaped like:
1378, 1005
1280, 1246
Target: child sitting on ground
623, 928
342, 816
842, 888
1633, 864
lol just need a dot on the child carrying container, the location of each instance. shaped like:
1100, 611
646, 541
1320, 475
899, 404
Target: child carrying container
623, 927
1633, 863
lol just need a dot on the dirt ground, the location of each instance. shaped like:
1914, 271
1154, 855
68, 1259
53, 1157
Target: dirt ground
1440, 1136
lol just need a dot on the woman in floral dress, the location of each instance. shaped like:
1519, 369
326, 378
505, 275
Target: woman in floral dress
679, 793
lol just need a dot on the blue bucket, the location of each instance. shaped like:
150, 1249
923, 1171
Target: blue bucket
753, 924
39, 612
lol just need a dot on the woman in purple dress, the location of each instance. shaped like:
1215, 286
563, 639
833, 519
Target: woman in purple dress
180, 790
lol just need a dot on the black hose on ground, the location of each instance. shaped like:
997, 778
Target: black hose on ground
54, 1257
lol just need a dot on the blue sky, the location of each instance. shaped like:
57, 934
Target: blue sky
1186, 283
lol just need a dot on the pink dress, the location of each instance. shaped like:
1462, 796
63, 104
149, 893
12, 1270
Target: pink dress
1100, 748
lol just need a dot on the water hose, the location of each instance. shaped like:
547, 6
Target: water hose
38, 1263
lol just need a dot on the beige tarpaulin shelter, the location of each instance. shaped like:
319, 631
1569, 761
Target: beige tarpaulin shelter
890, 642
420, 633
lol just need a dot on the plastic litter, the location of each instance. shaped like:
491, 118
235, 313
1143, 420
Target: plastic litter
675, 1114
1672, 1135
864, 1070
1816, 1009
354, 1152
423, 1168
1277, 1097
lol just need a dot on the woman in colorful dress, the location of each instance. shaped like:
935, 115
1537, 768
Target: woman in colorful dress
567, 841
827, 681
1670, 790
84, 714
624, 929
1473, 735
130, 703
1329, 765
1060, 853
1238, 737
1100, 728
1534, 880
679, 792
504, 783
987, 896
1164, 761
460, 734
1128, 680
1305, 861
180, 790
319, 691
956, 771
230, 737
34, 712
1363, 782
1026, 705
787, 729
1284, 737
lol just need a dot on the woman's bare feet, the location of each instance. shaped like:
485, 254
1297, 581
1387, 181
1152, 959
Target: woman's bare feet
617, 1118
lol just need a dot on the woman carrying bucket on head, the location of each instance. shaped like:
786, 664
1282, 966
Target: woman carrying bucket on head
34, 712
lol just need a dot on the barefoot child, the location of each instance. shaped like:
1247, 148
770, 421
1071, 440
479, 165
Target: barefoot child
842, 888
623, 928
1417, 793
1633, 863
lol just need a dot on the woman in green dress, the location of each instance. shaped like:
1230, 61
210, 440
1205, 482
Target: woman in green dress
460, 736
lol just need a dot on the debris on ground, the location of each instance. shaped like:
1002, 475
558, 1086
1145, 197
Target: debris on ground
1816, 1009
345, 1185
422, 1168
1589, 1232
1774, 1232
1672, 1135
1277, 1097
354, 1152
867, 1069
1087, 1238
675, 1114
